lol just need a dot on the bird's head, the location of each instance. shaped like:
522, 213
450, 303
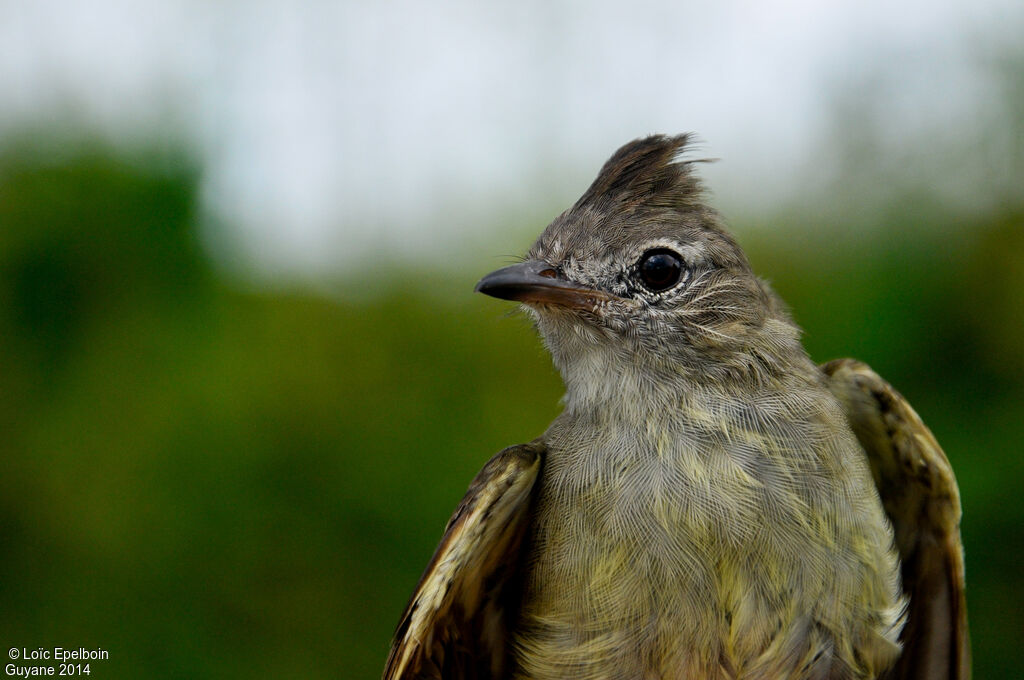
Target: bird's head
640, 272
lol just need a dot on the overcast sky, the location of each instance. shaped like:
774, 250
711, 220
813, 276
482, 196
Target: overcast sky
329, 129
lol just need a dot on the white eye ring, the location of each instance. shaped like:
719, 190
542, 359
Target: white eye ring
660, 269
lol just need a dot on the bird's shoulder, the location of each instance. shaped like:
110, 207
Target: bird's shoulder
454, 625
920, 495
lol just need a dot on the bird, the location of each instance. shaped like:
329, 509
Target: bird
710, 503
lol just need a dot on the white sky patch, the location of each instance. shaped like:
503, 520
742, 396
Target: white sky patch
330, 131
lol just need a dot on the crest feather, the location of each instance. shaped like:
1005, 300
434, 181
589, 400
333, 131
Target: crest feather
647, 171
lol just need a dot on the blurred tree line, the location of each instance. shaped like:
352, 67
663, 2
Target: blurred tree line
213, 480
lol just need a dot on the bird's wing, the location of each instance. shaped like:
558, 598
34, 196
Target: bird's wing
920, 495
454, 625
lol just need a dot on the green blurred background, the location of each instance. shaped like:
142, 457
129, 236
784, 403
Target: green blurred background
214, 475
216, 481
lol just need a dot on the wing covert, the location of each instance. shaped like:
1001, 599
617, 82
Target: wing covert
454, 625
920, 496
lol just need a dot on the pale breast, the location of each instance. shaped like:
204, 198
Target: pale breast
674, 551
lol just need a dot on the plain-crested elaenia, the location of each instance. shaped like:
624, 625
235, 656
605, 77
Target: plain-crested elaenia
710, 503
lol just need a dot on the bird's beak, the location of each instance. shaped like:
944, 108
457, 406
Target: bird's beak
536, 281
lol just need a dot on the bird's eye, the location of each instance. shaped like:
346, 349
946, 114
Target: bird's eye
660, 269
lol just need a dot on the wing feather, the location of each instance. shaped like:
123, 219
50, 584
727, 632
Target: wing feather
920, 496
454, 625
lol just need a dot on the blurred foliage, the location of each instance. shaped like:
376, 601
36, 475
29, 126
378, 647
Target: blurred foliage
215, 482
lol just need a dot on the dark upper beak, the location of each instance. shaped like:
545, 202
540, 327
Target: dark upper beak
538, 282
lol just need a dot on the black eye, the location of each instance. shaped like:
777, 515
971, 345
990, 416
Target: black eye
660, 269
